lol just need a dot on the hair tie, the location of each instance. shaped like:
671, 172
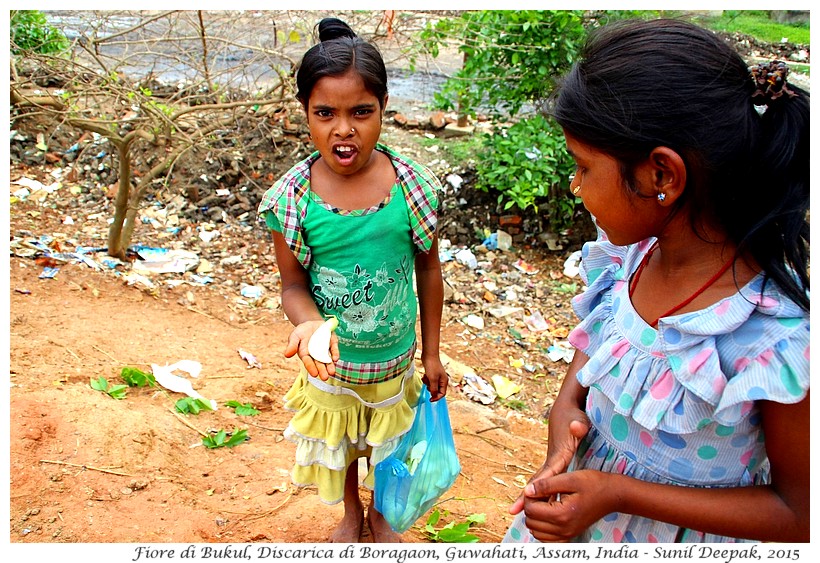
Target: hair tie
770, 82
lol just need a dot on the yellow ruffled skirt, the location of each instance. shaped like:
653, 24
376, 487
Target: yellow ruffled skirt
332, 431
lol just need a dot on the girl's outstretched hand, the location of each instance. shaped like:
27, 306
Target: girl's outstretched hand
298, 345
561, 451
561, 507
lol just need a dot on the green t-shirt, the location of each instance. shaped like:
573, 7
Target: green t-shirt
362, 273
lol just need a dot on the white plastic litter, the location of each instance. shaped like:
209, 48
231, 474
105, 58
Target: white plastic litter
477, 389
474, 321
561, 350
465, 256
571, 264
250, 358
161, 261
166, 377
536, 322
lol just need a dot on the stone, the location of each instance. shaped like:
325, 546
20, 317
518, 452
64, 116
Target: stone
453, 130
437, 120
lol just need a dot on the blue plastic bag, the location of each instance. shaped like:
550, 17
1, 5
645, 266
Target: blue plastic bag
421, 469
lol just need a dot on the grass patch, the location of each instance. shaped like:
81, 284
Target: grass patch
455, 150
758, 24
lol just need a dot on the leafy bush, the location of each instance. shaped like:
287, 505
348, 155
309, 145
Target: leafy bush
510, 56
528, 164
30, 31
510, 60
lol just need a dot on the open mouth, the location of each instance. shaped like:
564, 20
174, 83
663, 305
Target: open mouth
345, 153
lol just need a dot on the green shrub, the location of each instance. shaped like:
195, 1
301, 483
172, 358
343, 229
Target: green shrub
31, 32
510, 56
528, 165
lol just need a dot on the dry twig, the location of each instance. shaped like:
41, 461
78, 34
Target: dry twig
92, 468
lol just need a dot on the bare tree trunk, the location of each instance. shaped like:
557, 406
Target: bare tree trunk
95, 88
116, 247
206, 72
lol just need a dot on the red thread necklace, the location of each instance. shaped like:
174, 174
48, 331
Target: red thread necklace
688, 300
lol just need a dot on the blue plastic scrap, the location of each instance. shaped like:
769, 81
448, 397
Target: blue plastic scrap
49, 272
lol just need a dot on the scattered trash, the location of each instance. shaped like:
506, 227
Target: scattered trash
474, 321
164, 261
523, 266
566, 288
571, 264
455, 369
501, 311
536, 322
252, 291
551, 240
491, 242
561, 350
504, 240
132, 278
250, 358
533, 154
477, 389
455, 181
33, 186
49, 272
465, 256
204, 267
504, 387
208, 236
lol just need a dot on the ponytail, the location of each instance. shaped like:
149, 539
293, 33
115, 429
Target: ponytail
779, 239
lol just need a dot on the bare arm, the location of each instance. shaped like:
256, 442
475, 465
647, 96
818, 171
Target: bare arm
301, 310
568, 424
430, 289
776, 512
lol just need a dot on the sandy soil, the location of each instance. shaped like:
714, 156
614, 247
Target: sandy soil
86, 468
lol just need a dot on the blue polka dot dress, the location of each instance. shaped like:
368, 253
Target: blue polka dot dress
676, 404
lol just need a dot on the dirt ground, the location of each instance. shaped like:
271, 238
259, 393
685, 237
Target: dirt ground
86, 468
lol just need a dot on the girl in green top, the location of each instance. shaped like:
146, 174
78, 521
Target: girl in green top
351, 225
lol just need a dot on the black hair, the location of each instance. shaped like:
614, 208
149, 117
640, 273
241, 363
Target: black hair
339, 51
641, 84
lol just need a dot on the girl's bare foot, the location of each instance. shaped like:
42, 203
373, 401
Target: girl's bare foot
350, 528
379, 528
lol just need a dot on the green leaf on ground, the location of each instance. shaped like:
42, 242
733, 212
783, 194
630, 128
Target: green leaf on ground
222, 439
242, 409
190, 405
113, 391
137, 378
453, 532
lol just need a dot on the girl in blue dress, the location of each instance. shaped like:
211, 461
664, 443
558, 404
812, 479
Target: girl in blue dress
684, 415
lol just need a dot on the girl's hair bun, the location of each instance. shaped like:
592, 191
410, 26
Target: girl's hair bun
334, 28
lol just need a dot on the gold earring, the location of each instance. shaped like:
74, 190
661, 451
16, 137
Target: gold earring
577, 188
